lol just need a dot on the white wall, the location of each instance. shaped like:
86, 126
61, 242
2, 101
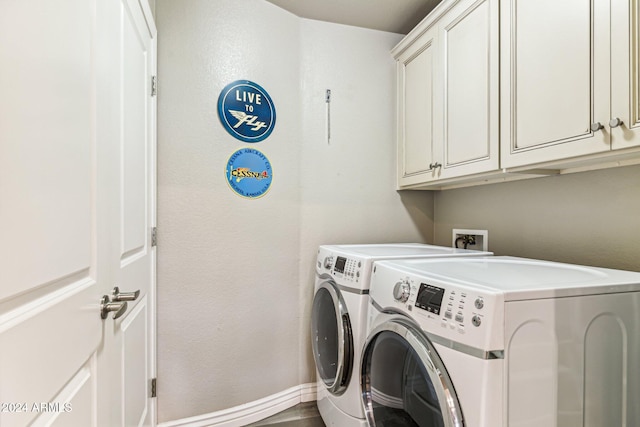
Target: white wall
348, 191
235, 275
590, 218
227, 267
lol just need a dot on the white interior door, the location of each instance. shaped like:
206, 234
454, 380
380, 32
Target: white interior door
132, 204
77, 161
51, 267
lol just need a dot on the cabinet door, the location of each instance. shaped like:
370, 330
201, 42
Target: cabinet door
625, 73
555, 79
469, 108
416, 130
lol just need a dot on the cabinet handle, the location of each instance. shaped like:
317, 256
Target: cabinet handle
435, 165
614, 123
596, 126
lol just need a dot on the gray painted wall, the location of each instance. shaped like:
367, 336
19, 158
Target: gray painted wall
348, 189
235, 276
588, 218
223, 261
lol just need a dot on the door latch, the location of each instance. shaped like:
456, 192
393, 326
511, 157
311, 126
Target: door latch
124, 296
106, 306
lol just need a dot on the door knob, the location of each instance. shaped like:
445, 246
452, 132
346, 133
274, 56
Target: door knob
596, 126
614, 123
106, 306
124, 296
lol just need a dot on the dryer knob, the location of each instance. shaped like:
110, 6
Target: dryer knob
401, 291
328, 262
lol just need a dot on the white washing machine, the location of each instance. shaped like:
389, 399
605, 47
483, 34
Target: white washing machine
501, 342
339, 320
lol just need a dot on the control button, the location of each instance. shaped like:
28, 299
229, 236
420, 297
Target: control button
479, 303
461, 329
357, 274
401, 291
476, 320
459, 318
359, 264
448, 314
328, 262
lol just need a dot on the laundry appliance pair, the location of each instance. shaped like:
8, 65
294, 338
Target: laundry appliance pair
461, 339
339, 320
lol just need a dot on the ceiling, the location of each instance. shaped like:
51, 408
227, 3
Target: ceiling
396, 16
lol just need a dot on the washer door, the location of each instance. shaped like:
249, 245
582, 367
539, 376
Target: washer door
332, 338
403, 380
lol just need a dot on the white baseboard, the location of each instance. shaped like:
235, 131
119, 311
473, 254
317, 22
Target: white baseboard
251, 412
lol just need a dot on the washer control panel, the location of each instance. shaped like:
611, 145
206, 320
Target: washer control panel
341, 267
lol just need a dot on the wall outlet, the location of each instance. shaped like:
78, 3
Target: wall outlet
477, 240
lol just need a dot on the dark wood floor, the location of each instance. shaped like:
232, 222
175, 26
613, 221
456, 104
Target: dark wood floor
302, 415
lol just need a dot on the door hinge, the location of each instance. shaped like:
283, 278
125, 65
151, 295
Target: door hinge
154, 86
153, 388
154, 236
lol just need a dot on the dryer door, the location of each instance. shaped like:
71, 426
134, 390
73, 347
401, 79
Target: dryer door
404, 381
332, 338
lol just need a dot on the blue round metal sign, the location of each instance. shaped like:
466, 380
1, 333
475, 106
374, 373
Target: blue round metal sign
246, 111
249, 173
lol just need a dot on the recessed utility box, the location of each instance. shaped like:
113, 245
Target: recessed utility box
470, 239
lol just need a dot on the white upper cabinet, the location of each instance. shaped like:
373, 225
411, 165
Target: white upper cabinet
567, 74
448, 94
416, 98
494, 90
625, 73
470, 110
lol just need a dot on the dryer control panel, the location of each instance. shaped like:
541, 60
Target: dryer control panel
459, 313
429, 298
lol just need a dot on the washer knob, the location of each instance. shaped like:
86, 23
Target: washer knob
479, 303
401, 291
328, 262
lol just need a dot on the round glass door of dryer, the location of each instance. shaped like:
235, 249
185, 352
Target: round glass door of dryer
404, 382
332, 338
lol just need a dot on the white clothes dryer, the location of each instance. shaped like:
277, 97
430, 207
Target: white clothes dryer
338, 320
501, 342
